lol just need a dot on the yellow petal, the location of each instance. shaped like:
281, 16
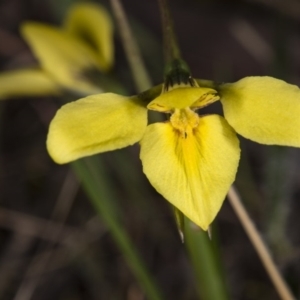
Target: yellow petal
95, 124
183, 97
263, 109
27, 82
193, 173
64, 57
92, 23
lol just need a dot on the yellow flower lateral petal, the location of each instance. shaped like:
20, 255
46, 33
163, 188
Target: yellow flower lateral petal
193, 173
27, 82
263, 109
92, 23
63, 56
95, 124
194, 97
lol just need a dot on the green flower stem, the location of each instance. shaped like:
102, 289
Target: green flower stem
260, 247
207, 265
199, 247
97, 187
141, 77
171, 48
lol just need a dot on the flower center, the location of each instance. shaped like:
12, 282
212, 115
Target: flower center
184, 121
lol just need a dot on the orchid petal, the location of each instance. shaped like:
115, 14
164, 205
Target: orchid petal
183, 97
193, 173
27, 82
263, 109
92, 23
64, 57
95, 124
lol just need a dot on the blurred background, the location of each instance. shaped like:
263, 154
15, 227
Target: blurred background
54, 245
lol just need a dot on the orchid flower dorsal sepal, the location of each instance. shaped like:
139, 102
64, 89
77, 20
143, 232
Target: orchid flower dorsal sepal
191, 159
71, 58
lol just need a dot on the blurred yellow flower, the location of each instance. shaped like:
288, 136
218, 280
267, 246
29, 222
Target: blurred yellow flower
190, 159
68, 57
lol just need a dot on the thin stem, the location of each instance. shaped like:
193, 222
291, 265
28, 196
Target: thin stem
171, 48
261, 249
138, 70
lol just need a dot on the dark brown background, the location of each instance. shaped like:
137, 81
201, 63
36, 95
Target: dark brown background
215, 41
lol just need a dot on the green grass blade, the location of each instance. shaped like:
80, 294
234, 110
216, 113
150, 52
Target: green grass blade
206, 263
97, 187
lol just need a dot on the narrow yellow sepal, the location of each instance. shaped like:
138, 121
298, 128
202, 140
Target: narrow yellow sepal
179, 218
95, 124
182, 97
192, 173
63, 56
263, 109
92, 23
27, 82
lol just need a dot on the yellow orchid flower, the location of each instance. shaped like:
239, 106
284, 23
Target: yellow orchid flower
191, 159
69, 57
